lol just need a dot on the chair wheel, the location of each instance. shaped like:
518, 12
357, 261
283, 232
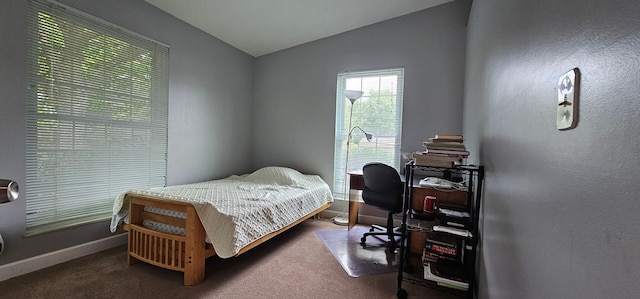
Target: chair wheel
363, 240
402, 294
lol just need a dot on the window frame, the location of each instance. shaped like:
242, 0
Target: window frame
114, 128
343, 109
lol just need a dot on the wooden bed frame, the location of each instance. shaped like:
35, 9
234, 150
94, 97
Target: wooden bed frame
181, 253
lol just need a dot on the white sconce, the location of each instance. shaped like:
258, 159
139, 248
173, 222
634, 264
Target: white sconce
8, 191
568, 92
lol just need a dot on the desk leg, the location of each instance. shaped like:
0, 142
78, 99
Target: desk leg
353, 208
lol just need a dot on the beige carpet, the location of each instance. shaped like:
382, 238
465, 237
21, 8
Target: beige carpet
295, 264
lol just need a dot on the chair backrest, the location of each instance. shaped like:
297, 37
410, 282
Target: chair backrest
383, 187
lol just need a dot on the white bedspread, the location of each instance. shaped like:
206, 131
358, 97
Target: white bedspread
241, 209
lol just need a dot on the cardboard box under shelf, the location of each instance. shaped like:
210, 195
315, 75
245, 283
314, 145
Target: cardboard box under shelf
416, 242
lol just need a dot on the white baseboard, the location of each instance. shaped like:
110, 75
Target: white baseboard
36, 263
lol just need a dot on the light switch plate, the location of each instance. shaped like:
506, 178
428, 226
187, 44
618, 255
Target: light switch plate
568, 87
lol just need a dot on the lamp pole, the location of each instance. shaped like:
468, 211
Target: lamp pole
353, 96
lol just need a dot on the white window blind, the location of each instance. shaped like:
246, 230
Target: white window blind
96, 116
377, 112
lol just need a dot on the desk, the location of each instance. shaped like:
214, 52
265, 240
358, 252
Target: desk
356, 183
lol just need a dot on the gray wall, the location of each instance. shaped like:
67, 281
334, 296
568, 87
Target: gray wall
210, 92
561, 207
295, 89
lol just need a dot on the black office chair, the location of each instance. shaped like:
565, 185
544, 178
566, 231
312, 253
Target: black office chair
383, 189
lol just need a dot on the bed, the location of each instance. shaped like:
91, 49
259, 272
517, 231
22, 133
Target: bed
178, 227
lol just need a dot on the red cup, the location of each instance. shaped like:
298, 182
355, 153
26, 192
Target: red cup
429, 204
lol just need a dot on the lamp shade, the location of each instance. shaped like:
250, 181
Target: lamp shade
353, 95
8, 190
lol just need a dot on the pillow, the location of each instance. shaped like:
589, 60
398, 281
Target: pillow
275, 175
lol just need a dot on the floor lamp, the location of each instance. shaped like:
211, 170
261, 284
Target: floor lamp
353, 96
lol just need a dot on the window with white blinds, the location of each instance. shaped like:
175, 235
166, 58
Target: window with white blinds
96, 116
377, 112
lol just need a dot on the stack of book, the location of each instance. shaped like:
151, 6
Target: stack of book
443, 256
443, 260
442, 151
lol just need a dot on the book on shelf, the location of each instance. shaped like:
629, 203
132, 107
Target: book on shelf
434, 160
452, 230
453, 213
454, 218
451, 270
444, 148
460, 153
448, 137
439, 246
429, 256
436, 157
445, 144
441, 251
430, 273
451, 286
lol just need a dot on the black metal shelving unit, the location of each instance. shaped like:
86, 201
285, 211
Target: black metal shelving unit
473, 176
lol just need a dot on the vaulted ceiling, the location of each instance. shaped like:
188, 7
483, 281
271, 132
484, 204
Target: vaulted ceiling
260, 27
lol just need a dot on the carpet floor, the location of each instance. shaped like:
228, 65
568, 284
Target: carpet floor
295, 264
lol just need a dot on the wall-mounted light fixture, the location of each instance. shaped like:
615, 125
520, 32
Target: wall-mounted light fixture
568, 93
8, 190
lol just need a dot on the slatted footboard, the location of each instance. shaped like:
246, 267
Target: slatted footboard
181, 253
159, 249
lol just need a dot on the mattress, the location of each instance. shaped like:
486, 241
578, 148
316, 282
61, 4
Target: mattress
241, 209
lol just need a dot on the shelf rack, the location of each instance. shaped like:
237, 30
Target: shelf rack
473, 177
